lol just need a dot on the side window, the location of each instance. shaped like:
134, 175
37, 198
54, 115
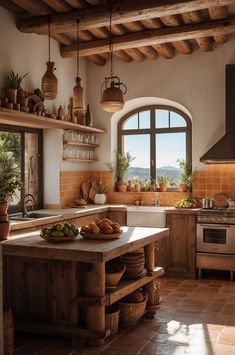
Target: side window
26, 147
157, 137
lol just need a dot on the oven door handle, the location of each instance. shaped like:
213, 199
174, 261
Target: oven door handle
215, 226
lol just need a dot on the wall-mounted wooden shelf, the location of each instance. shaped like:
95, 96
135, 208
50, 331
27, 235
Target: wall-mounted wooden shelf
80, 160
77, 144
18, 118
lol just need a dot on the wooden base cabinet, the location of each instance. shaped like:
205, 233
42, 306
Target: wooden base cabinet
181, 244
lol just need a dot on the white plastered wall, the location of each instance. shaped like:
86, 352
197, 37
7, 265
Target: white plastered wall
28, 53
195, 82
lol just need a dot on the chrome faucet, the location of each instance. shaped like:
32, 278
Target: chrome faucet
157, 200
28, 200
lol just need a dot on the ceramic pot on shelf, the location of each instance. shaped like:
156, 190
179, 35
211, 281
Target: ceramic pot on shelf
100, 199
162, 187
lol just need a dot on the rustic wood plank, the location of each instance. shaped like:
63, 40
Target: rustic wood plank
123, 56
204, 43
97, 59
59, 5
99, 17
153, 37
9, 5
125, 287
34, 7
165, 49
18, 118
136, 54
77, 4
218, 13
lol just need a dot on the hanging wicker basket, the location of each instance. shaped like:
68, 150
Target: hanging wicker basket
8, 331
49, 83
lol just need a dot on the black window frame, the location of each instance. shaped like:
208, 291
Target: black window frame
22, 131
152, 131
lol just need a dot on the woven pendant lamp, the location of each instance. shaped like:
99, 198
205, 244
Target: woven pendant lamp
49, 81
112, 90
78, 97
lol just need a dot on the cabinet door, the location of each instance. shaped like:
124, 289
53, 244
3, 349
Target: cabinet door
181, 244
118, 216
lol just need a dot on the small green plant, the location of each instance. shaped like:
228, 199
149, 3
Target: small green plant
13, 81
163, 179
123, 162
101, 188
186, 176
10, 180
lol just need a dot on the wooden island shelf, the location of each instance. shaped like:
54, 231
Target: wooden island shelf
59, 288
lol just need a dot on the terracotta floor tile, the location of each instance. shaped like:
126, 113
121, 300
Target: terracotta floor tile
196, 317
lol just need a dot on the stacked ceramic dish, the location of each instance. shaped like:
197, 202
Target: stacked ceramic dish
134, 265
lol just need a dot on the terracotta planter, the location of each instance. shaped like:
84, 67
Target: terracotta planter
20, 93
137, 188
183, 188
4, 230
3, 207
162, 187
130, 186
11, 94
121, 186
3, 218
100, 199
23, 101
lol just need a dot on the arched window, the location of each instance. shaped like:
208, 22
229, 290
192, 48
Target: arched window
157, 136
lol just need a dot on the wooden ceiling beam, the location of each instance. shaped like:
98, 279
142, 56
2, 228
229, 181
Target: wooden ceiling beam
97, 59
123, 12
152, 37
38, 7
183, 47
9, 5
135, 54
149, 52
218, 13
165, 49
77, 4
123, 56
204, 43
59, 5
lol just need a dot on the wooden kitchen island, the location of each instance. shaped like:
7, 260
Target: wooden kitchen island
59, 288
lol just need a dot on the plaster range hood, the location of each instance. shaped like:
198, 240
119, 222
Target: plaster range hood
224, 150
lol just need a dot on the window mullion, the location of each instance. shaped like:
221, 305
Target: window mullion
152, 145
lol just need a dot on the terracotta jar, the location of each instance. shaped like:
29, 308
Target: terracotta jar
183, 188
121, 186
137, 188
11, 94
162, 187
3, 207
4, 230
130, 186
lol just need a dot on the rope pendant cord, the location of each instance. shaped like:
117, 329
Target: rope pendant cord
110, 37
49, 37
78, 46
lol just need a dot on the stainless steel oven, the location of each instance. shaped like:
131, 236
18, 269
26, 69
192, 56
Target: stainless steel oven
216, 238
215, 242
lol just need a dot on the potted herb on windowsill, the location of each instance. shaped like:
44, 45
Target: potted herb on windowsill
163, 181
100, 196
9, 184
123, 162
186, 176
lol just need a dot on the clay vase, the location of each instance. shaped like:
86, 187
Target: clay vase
121, 186
183, 188
3, 207
11, 94
162, 187
4, 230
137, 188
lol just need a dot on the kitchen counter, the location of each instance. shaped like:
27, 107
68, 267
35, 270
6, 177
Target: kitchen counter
47, 285
64, 214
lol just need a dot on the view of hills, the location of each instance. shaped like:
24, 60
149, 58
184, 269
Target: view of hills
144, 173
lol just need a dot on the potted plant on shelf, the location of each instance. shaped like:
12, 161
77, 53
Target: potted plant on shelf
13, 88
186, 176
123, 162
9, 183
163, 181
100, 196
